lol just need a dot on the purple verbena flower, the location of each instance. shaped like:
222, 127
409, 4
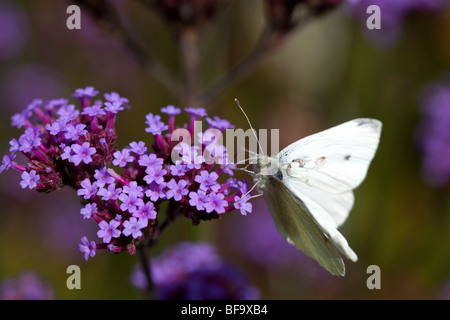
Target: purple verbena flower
88, 248
103, 177
197, 112
114, 107
57, 127
133, 227
86, 92
130, 202
155, 174
150, 160
74, 132
134, 189
67, 154
93, 111
88, 189
219, 123
29, 140
108, 230
157, 128
179, 169
82, 153
29, 179
115, 97
176, 189
122, 158
14, 145
171, 110
198, 199
68, 112
208, 181
89, 210
111, 193
138, 147
157, 191
146, 210
7, 162
216, 203
20, 120
155, 125
242, 205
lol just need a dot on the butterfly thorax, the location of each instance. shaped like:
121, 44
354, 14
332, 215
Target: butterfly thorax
267, 168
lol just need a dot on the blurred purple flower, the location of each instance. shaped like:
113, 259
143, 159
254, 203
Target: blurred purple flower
195, 271
14, 29
115, 97
433, 133
393, 14
39, 81
171, 110
257, 234
25, 286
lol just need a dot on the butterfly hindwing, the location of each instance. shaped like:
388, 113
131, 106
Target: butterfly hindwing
298, 228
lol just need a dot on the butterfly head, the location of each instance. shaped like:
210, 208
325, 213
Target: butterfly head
268, 166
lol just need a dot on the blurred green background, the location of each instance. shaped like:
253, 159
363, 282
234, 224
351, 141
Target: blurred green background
325, 74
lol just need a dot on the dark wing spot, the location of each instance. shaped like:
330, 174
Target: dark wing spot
364, 121
347, 157
279, 175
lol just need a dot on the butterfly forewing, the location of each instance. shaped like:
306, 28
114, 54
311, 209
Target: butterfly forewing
335, 160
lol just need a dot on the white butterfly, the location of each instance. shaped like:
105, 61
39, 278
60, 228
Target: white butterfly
308, 188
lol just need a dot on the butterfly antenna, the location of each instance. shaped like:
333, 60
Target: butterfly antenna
251, 127
249, 191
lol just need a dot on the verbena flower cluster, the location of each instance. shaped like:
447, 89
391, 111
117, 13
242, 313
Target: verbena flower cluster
123, 190
194, 271
64, 145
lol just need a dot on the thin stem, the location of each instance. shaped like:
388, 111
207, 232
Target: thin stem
143, 247
245, 66
149, 292
189, 44
107, 18
270, 39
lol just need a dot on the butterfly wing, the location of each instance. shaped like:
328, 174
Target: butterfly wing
323, 169
339, 156
325, 209
297, 226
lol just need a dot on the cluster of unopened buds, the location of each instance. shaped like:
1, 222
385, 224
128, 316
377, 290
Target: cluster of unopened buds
123, 190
